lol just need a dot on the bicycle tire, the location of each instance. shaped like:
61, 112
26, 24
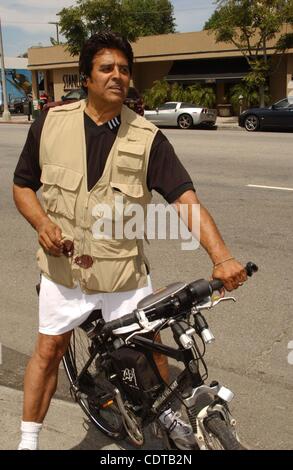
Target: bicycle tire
218, 429
107, 420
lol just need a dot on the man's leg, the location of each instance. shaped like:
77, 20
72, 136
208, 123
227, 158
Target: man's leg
162, 362
40, 383
118, 304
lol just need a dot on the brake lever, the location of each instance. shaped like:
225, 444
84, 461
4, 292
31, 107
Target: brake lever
147, 329
223, 299
210, 304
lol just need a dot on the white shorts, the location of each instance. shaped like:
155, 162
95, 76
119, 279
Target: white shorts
62, 309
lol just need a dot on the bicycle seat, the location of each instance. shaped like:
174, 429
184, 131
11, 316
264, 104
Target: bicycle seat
160, 295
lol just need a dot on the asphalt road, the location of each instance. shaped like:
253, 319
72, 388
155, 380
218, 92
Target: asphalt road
250, 354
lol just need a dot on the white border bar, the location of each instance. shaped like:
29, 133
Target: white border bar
268, 187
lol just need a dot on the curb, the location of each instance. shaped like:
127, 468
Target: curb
15, 122
229, 127
218, 126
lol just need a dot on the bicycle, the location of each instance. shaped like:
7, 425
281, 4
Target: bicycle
115, 380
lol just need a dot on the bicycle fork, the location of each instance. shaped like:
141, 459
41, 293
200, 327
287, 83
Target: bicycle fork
203, 401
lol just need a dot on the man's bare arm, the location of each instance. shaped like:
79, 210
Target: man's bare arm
230, 272
29, 206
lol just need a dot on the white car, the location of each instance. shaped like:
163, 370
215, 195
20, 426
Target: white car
183, 115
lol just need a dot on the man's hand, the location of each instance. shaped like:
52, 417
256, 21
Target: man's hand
50, 237
231, 273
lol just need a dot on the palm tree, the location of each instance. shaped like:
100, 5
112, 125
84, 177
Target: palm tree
177, 92
201, 95
158, 94
250, 95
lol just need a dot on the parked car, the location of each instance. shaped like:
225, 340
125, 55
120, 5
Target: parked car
16, 105
74, 95
133, 100
279, 115
180, 114
70, 97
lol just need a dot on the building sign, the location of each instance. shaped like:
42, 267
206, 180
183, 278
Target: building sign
71, 81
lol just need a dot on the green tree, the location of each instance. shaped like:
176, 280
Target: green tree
250, 96
201, 95
162, 91
132, 18
54, 41
177, 92
149, 17
249, 25
158, 94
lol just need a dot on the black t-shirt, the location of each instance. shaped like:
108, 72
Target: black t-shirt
165, 174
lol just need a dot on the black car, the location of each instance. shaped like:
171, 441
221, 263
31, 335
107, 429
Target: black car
74, 95
16, 105
278, 116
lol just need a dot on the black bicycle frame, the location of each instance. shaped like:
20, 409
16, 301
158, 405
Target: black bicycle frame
188, 377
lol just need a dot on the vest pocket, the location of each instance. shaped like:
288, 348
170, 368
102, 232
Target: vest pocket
114, 266
129, 163
56, 268
114, 248
130, 156
131, 190
60, 188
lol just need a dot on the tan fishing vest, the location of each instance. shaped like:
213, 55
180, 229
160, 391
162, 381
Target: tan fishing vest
118, 264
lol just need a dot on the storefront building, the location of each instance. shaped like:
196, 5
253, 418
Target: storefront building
186, 58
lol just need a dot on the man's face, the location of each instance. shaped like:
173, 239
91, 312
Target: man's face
110, 77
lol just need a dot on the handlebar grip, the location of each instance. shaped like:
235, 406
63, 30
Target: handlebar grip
250, 268
119, 322
216, 284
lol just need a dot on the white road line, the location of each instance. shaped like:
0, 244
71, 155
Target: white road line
268, 187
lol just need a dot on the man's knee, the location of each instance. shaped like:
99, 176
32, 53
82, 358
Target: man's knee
51, 349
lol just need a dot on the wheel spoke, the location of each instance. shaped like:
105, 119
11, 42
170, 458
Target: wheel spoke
185, 121
107, 420
251, 123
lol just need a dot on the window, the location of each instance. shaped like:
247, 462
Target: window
75, 95
282, 104
187, 105
167, 106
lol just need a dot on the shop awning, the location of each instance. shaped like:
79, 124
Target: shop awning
207, 78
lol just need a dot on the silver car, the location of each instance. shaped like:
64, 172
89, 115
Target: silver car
183, 115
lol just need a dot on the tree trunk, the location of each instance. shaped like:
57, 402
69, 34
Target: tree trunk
262, 96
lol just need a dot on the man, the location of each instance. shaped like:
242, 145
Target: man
83, 154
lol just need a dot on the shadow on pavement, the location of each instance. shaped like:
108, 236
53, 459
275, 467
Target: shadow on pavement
13, 368
95, 440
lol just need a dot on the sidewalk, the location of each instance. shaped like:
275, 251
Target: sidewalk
66, 427
228, 123
222, 122
16, 119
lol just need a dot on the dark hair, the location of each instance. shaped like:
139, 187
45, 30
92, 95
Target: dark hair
97, 42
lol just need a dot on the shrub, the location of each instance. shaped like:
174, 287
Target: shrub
162, 91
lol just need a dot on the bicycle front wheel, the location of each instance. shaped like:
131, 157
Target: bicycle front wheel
220, 435
91, 387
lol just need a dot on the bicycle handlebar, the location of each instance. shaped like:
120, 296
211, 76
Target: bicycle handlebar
119, 322
250, 268
194, 292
